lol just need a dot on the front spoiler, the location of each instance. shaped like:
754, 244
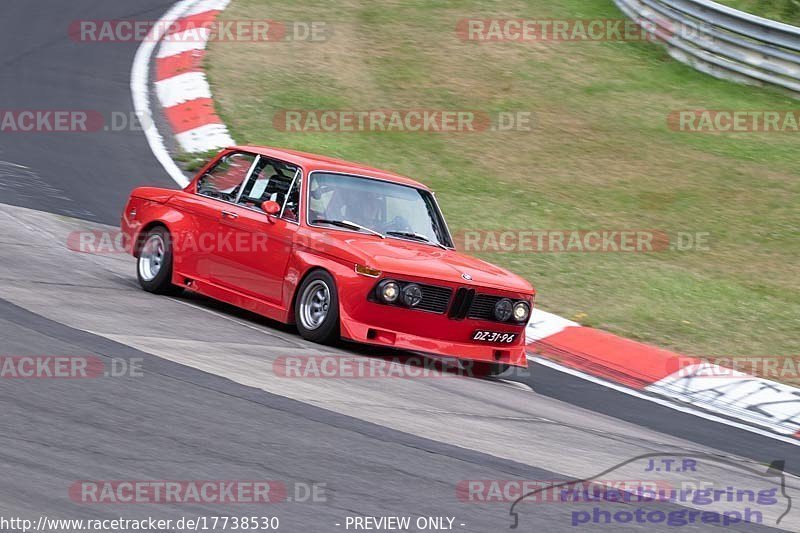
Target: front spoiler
513, 355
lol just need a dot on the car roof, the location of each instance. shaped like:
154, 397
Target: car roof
312, 162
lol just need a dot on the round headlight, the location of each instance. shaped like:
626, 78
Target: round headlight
412, 295
503, 309
521, 311
389, 291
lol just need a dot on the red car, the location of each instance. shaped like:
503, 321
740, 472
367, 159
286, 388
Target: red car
339, 249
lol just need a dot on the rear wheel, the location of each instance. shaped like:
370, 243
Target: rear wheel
316, 308
154, 264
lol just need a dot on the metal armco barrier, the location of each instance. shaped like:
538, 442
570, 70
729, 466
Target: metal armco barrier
723, 42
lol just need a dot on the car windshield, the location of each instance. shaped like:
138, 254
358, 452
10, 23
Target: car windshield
393, 210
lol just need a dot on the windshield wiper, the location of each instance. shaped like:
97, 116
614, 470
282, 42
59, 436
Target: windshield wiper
347, 224
417, 236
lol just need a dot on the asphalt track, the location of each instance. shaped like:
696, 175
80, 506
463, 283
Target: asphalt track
42, 68
209, 404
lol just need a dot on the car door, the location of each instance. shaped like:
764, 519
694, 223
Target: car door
257, 253
217, 190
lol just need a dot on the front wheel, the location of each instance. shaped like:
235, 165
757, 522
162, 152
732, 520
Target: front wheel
316, 308
154, 264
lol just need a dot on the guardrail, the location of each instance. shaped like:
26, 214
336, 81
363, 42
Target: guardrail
722, 41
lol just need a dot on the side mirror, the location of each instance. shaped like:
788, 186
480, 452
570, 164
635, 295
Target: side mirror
271, 208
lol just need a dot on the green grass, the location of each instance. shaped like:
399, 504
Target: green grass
193, 162
787, 11
601, 156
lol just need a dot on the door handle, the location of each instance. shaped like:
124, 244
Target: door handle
229, 214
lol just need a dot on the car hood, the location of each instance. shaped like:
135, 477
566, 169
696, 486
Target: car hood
397, 256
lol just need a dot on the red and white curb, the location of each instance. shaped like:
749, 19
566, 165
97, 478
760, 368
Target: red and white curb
692, 386
745, 401
181, 85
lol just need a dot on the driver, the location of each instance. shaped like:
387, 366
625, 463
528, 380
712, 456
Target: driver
364, 207
367, 208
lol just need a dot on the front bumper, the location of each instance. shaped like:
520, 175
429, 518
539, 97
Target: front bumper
374, 323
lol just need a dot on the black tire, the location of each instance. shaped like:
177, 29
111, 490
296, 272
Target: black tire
161, 283
482, 369
326, 330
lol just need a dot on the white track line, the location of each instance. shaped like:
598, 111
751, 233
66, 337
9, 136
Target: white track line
663, 402
140, 78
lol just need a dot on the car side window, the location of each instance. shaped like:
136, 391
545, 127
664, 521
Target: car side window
272, 180
224, 179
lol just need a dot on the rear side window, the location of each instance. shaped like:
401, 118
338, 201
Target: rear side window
224, 180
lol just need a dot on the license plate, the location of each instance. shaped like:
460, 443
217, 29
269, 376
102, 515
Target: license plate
483, 335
